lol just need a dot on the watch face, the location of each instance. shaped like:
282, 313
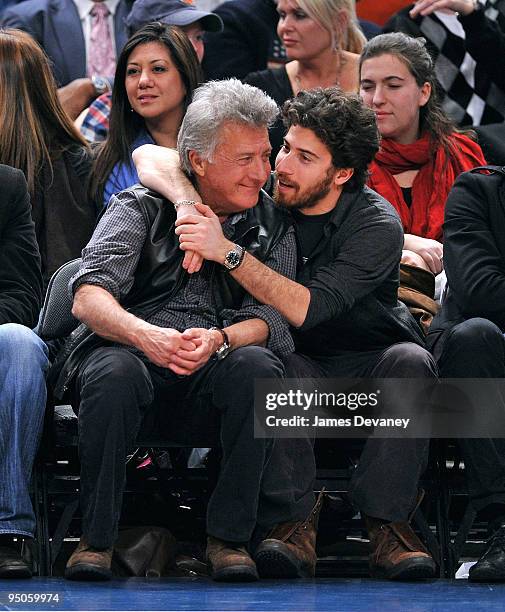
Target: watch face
100, 84
233, 258
222, 351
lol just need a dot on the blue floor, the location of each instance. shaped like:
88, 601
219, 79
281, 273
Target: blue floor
320, 595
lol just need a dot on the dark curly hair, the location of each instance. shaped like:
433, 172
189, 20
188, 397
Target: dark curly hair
342, 123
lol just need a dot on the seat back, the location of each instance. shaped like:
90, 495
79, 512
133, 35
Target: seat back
56, 320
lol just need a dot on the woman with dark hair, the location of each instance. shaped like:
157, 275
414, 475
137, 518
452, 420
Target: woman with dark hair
422, 152
39, 138
156, 75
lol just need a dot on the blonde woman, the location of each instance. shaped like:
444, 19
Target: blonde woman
323, 41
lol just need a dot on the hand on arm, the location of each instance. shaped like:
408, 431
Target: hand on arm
427, 7
204, 235
413, 259
100, 311
159, 169
192, 261
431, 251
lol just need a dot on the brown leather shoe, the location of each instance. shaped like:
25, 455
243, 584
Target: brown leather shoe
290, 548
398, 554
230, 562
88, 563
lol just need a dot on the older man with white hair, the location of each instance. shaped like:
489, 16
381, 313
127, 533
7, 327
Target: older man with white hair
181, 352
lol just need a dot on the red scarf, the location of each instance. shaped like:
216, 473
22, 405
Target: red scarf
437, 173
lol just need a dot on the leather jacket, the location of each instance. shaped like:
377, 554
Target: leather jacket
160, 275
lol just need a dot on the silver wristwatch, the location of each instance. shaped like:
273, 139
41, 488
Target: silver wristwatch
225, 348
101, 84
234, 257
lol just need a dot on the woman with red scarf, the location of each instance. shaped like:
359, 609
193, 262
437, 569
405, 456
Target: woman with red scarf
421, 152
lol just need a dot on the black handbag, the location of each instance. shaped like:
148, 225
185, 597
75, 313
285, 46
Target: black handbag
146, 552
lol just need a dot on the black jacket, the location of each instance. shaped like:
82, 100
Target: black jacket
63, 213
244, 44
20, 276
159, 274
474, 253
353, 277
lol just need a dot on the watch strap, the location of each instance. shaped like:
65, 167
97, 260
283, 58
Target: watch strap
225, 347
223, 334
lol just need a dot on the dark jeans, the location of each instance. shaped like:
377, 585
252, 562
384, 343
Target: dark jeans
385, 483
476, 349
118, 391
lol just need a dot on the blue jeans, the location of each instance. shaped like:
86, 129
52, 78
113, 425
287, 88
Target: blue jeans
23, 365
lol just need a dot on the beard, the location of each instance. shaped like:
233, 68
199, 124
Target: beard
309, 197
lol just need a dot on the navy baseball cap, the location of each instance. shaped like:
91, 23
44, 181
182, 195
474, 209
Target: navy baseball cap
171, 12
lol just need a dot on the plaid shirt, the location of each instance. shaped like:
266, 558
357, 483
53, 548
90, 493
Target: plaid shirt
96, 122
112, 255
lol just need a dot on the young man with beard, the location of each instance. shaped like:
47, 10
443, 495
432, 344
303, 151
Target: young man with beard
161, 351
343, 308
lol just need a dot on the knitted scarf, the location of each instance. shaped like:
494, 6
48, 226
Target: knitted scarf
437, 173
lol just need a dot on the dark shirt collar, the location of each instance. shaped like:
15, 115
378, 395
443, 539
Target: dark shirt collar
344, 203
230, 223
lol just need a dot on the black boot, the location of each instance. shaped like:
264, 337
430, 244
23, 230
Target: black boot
491, 566
12, 564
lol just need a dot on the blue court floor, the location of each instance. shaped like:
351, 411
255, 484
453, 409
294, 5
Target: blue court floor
198, 594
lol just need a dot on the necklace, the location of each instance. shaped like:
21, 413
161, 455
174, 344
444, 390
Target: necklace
298, 78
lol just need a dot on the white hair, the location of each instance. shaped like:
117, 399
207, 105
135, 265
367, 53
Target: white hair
214, 104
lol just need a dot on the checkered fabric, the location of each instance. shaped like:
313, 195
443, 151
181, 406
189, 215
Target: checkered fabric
469, 95
95, 125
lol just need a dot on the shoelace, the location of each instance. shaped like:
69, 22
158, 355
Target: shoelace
387, 544
235, 546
